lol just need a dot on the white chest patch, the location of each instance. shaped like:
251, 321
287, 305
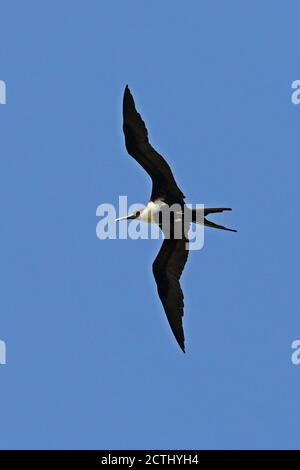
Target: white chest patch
151, 211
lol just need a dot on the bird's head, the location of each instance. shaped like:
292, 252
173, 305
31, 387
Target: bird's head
134, 215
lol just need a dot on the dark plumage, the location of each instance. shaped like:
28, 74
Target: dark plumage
138, 146
171, 259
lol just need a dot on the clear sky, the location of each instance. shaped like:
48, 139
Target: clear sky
91, 362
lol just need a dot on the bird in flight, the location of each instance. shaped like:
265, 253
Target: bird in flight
172, 257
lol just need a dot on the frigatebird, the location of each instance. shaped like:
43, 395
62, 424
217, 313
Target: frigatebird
172, 257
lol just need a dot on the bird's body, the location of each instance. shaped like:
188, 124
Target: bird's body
166, 195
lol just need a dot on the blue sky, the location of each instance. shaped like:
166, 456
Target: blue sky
91, 362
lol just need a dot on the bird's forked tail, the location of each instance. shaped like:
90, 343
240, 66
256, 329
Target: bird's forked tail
198, 217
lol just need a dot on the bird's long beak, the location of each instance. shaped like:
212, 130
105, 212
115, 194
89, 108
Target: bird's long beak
126, 217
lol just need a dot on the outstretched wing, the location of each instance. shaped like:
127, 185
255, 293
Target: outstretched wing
138, 146
167, 269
